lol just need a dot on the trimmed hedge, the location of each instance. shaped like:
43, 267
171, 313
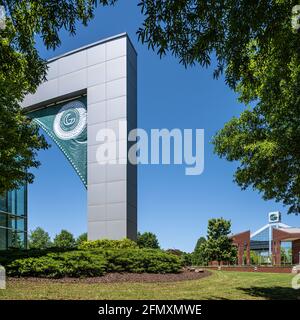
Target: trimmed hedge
142, 260
96, 262
108, 244
8, 256
57, 265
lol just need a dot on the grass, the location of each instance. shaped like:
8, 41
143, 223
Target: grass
220, 285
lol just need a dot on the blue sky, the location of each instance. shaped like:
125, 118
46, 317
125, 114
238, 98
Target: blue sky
174, 206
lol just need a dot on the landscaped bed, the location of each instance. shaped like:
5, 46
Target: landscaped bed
92, 259
121, 277
120, 270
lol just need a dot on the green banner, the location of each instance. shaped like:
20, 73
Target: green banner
66, 123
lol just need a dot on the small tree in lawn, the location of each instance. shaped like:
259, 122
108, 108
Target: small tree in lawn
198, 252
82, 238
218, 246
147, 240
39, 239
64, 239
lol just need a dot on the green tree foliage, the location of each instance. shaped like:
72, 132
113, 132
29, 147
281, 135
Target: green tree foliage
81, 239
258, 50
147, 240
22, 70
199, 242
218, 246
39, 239
255, 258
16, 241
186, 257
198, 258
64, 239
19, 137
286, 256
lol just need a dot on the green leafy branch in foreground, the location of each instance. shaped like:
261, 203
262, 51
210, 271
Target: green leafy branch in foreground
22, 71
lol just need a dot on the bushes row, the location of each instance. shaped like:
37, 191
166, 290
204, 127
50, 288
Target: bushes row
57, 265
11, 255
8, 256
142, 260
96, 262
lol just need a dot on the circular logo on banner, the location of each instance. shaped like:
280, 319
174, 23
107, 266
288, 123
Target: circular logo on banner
70, 121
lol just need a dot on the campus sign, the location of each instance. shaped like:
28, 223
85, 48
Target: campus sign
66, 124
274, 217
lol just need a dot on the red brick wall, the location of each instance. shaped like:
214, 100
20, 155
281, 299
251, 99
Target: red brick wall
296, 251
254, 269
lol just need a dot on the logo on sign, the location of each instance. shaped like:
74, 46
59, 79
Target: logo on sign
274, 217
70, 121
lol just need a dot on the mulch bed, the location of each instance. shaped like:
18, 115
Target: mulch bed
123, 277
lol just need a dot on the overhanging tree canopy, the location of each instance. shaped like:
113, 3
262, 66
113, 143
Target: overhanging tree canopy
254, 45
258, 50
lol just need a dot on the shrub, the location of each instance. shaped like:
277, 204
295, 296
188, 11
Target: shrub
56, 265
142, 260
176, 252
8, 256
108, 244
186, 258
89, 263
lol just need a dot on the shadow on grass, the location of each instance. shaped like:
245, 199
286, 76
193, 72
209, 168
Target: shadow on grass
272, 293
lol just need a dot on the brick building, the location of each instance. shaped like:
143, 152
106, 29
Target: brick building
268, 242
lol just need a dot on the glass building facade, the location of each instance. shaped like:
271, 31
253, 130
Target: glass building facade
13, 219
261, 241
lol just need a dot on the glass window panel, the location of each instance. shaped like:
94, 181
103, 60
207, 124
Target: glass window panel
13, 224
20, 224
16, 240
17, 223
262, 236
11, 202
21, 201
3, 220
3, 202
3, 244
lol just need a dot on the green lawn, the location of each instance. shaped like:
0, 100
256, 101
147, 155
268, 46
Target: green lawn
220, 285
